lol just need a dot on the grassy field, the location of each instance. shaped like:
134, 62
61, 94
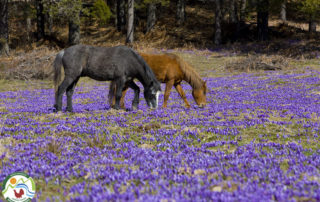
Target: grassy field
256, 140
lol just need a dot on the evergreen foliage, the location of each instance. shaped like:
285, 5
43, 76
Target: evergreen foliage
311, 8
67, 10
101, 12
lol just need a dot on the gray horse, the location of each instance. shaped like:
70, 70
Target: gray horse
119, 64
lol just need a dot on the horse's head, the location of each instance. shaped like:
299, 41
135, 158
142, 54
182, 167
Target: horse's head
199, 95
151, 94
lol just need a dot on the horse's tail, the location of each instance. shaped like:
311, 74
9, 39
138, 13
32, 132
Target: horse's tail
57, 64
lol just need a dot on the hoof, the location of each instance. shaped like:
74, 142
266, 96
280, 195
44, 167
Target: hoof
57, 110
69, 109
135, 105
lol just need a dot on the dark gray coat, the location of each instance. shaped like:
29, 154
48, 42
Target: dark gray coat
119, 64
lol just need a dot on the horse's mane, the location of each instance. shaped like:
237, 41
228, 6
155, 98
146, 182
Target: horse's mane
148, 70
190, 75
146, 67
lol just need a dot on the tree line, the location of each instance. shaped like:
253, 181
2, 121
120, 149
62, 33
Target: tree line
233, 12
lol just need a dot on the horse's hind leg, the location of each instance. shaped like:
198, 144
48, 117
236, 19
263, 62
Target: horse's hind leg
62, 88
182, 94
112, 92
136, 89
70, 91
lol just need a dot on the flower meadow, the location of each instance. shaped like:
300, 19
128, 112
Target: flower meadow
256, 140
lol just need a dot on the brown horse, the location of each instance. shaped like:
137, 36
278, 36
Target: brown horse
172, 70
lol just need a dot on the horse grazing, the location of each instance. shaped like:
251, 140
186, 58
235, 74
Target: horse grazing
172, 70
119, 64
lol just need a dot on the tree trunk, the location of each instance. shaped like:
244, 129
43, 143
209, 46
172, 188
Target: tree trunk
27, 13
4, 31
74, 30
28, 22
218, 17
262, 19
181, 14
283, 12
312, 26
121, 16
232, 12
151, 19
116, 11
243, 5
40, 20
130, 29
49, 22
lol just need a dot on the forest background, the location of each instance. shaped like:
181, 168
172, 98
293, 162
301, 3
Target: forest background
33, 30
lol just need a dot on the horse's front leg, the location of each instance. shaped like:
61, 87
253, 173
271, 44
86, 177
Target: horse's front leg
169, 85
136, 89
182, 94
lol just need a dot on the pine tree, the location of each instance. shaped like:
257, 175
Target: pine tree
101, 12
4, 31
40, 20
283, 11
121, 16
218, 18
232, 12
151, 16
181, 13
263, 19
243, 4
69, 10
130, 28
152, 6
312, 9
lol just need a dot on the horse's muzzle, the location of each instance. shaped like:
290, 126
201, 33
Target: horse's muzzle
152, 105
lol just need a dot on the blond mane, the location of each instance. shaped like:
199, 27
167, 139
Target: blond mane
190, 75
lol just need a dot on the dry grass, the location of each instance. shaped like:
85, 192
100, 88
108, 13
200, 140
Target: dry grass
258, 62
35, 64
291, 23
